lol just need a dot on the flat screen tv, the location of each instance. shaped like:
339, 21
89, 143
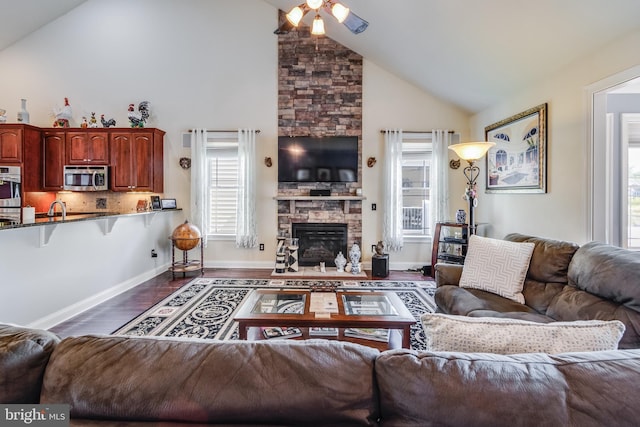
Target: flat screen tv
318, 159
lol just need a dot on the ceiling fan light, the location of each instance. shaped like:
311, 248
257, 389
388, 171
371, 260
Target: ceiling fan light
318, 26
295, 15
340, 12
314, 4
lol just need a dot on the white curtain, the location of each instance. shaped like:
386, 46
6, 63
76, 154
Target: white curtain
392, 233
199, 180
246, 229
439, 199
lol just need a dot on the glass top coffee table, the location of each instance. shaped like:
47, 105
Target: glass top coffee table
341, 310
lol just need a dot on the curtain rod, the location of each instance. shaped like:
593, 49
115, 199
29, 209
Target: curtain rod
216, 130
417, 131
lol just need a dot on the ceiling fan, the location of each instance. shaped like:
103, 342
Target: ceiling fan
353, 22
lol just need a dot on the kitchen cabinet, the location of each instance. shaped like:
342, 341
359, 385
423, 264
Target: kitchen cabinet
20, 146
11, 145
87, 147
54, 159
137, 160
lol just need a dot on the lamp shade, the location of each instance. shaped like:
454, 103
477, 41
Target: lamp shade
314, 4
318, 26
295, 15
471, 151
340, 12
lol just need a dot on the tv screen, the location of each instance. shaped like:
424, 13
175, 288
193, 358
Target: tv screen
318, 159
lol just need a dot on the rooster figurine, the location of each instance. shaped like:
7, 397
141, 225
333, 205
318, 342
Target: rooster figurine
107, 123
138, 118
63, 115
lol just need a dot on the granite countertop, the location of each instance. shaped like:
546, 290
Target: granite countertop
44, 219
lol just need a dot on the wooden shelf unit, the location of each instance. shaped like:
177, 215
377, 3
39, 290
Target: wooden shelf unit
439, 251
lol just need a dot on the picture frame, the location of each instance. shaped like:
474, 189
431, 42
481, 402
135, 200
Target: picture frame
155, 203
168, 203
518, 161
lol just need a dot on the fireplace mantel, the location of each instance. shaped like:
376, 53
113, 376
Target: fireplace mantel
346, 199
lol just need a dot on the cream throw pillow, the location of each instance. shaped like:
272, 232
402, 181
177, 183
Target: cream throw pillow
496, 266
445, 332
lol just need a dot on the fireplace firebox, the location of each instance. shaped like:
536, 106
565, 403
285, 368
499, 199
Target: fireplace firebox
319, 242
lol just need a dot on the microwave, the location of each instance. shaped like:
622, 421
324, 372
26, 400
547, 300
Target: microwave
86, 178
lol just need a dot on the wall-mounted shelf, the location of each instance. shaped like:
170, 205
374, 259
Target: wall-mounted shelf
346, 199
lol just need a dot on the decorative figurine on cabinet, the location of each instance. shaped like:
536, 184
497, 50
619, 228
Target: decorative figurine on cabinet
63, 115
93, 123
3, 116
107, 123
138, 118
84, 123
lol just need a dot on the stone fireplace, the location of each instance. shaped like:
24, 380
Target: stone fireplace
320, 242
319, 94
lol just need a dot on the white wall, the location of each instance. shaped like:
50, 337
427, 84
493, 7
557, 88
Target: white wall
561, 213
389, 102
200, 63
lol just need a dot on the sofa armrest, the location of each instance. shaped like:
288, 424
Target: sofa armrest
447, 274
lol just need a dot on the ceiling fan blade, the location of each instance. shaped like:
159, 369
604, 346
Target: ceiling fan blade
355, 24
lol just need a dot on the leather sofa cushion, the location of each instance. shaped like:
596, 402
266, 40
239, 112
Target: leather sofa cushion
607, 271
575, 304
550, 259
452, 299
313, 382
481, 389
24, 354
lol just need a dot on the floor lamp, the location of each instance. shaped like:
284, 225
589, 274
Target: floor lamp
471, 152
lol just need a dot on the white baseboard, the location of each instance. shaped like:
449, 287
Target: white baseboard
80, 306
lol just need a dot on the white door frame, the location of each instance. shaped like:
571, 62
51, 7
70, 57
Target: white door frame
599, 186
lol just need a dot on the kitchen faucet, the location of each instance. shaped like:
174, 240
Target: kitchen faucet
52, 209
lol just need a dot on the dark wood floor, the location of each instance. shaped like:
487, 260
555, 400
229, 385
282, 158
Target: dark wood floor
115, 312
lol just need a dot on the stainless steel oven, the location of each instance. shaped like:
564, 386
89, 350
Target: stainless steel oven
10, 194
86, 178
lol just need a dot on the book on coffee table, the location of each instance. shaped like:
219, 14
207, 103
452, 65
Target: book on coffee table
375, 334
323, 332
280, 332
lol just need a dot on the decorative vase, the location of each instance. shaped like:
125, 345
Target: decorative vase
293, 255
23, 114
354, 257
341, 262
281, 255
461, 216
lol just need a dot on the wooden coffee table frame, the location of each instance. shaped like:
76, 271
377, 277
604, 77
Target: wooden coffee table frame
402, 321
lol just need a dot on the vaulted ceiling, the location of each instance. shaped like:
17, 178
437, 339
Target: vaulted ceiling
470, 53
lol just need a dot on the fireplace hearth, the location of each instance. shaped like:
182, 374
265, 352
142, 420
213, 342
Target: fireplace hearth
319, 242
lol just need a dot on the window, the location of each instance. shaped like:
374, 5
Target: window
222, 164
416, 169
631, 181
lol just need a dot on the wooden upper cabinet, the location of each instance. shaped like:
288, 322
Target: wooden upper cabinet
54, 160
137, 160
87, 148
10, 145
20, 145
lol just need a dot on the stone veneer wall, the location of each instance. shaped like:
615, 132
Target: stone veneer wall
319, 94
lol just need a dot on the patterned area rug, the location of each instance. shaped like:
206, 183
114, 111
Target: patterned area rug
205, 307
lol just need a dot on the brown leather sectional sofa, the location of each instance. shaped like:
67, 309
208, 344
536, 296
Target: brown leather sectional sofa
138, 381
564, 283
